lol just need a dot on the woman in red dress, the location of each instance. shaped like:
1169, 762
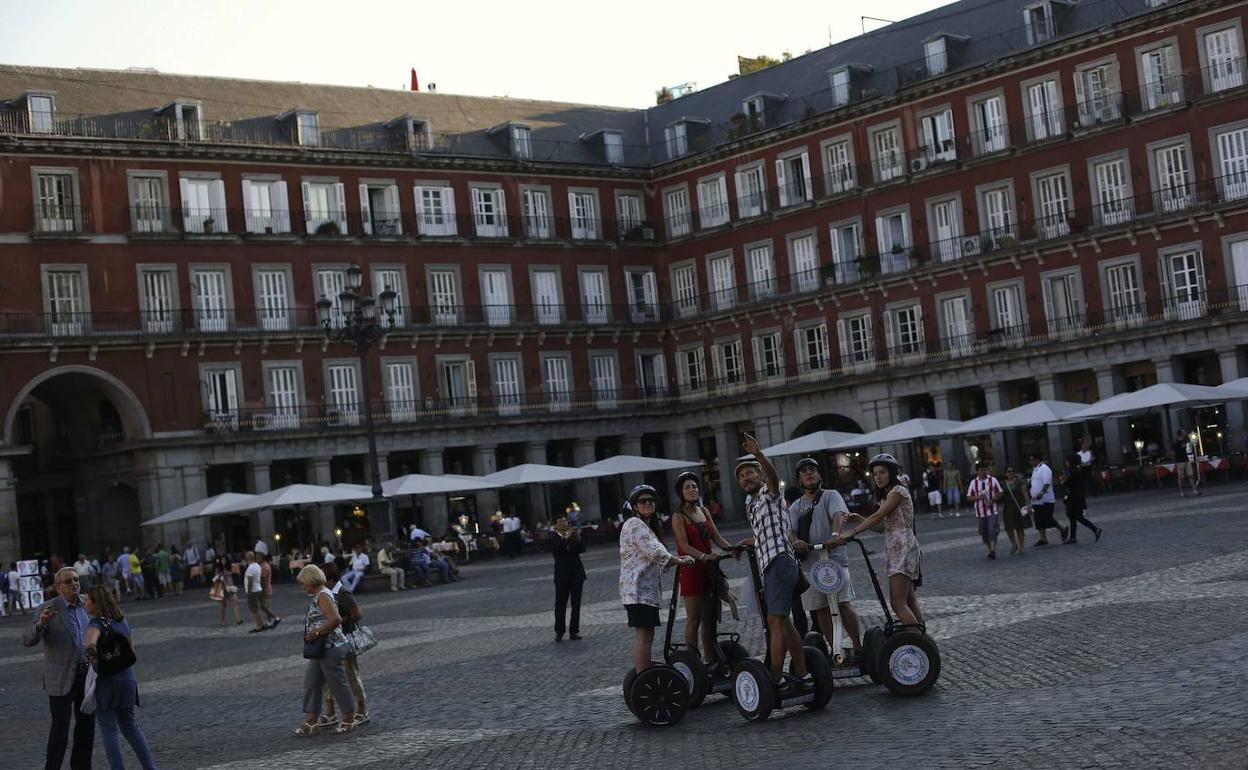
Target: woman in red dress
695, 536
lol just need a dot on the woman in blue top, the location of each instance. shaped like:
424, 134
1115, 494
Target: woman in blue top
116, 695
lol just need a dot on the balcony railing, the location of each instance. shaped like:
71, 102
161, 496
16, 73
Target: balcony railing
55, 219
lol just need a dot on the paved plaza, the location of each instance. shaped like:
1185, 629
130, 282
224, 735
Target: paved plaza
1122, 653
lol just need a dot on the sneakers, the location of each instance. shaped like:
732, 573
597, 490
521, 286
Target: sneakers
992, 554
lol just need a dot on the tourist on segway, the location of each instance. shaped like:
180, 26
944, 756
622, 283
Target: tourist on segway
816, 516
769, 519
903, 558
696, 535
642, 561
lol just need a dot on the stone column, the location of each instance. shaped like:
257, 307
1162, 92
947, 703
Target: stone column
1061, 442
259, 481
631, 445
1109, 382
679, 445
1232, 362
10, 534
195, 487
325, 523
1004, 443
539, 508
1164, 367
952, 450
728, 449
586, 489
434, 507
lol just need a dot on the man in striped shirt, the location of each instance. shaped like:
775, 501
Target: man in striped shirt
985, 491
769, 518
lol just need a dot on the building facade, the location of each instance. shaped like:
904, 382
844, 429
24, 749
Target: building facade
957, 214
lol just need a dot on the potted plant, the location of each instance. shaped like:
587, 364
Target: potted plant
328, 228
828, 273
209, 223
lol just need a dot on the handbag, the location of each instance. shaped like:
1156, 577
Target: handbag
217, 592
1024, 511
88, 692
362, 639
113, 652
315, 649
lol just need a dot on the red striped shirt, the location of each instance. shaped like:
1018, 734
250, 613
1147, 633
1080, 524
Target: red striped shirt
989, 488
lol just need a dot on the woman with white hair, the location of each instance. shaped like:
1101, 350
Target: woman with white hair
325, 647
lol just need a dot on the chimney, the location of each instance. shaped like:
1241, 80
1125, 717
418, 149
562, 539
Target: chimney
415, 85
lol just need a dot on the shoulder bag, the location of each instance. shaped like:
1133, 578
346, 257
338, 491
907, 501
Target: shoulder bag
1024, 511
362, 639
113, 652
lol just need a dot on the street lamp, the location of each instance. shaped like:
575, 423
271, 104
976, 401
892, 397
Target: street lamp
355, 321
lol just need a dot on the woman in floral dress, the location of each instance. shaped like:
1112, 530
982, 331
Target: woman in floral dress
903, 559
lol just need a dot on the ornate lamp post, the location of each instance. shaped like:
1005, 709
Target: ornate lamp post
356, 322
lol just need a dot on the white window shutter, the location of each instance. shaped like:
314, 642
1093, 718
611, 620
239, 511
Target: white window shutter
717, 362
890, 336
392, 208
809, 191
218, 205
881, 236
799, 347
307, 209
282, 203
470, 379
918, 321
757, 348
339, 213
184, 188
365, 213
448, 209
841, 340
869, 335
780, 181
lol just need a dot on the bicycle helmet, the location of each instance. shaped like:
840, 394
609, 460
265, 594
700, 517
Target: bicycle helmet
808, 462
687, 476
638, 491
884, 458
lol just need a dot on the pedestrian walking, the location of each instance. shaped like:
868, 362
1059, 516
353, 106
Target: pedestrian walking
351, 614
190, 555
254, 590
224, 591
325, 648
164, 569
86, 574
513, 541
1075, 481
933, 481
177, 573
1015, 516
151, 575
123, 571
116, 695
953, 489
59, 627
266, 588
566, 546
1043, 501
696, 536
985, 491
14, 588
1185, 463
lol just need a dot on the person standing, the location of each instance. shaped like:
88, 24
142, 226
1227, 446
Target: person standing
512, 539
985, 491
123, 572
1042, 499
261, 548
223, 583
359, 563
266, 592
14, 585
323, 624
566, 546
190, 555
953, 489
1185, 463
696, 536
177, 573
59, 627
933, 480
254, 589
385, 563
83, 569
1013, 504
117, 695
1076, 482
163, 567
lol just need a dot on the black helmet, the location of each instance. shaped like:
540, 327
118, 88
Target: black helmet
884, 458
687, 476
639, 490
808, 462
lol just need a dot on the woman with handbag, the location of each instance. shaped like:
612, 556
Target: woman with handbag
1015, 511
116, 691
349, 609
223, 590
325, 647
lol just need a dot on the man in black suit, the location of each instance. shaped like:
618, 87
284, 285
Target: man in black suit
567, 547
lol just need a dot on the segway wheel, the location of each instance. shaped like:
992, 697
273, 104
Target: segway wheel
629, 678
690, 666
753, 690
871, 643
816, 640
660, 696
908, 663
819, 667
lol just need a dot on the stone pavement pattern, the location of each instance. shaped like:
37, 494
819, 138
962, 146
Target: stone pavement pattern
1123, 653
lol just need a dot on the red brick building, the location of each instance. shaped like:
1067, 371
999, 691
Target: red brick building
959, 213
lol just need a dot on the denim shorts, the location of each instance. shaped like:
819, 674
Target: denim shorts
779, 580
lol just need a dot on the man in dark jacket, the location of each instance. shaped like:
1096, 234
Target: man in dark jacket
566, 546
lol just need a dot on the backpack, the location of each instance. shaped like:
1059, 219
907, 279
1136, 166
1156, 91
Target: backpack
113, 652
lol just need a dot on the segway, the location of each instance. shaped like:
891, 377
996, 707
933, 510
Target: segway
901, 657
755, 690
704, 677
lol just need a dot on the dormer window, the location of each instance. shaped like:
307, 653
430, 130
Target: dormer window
190, 119
677, 138
847, 83
753, 109
416, 133
840, 87
308, 129
521, 142
613, 144
936, 56
1045, 21
39, 108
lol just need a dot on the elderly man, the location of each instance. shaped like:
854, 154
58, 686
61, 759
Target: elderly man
386, 564
59, 627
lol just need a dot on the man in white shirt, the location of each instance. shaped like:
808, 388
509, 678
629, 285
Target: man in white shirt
418, 534
255, 589
261, 547
83, 569
1042, 499
190, 556
359, 563
512, 540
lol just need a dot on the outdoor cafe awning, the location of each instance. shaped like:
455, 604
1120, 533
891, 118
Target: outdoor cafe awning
209, 506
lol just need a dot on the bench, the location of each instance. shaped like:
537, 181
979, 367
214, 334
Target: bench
373, 582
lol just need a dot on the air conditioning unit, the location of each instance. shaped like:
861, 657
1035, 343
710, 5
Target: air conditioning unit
970, 247
918, 165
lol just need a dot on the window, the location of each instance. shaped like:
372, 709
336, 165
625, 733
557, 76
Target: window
330, 283
273, 299
158, 299
221, 396
1232, 171
729, 366
324, 208
1096, 90
56, 202
846, 248
793, 179
945, 226
753, 109
723, 282
768, 356
203, 205
936, 57
997, 211
506, 385
628, 211
583, 206
547, 305
676, 206
457, 379
643, 296
652, 375
676, 139
685, 290
66, 302
838, 163
496, 297
991, 132
805, 256
1123, 303
1052, 206
400, 383
1173, 178
905, 332
1063, 303
521, 142
1183, 284
39, 109
489, 212
343, 396
812, 349
308, 128
1239, 266
1224, 64
282, 395
762, 271
613, 143
751, 192
149, 200
557, 382
1161, 78
535, 208
594, 296
212, 299
692, 371
379, 209
189, 118
955, 317
938, 139
606, 383
1007, 311
435, 211
857, 344
392, 279
1113, 196
713, 202
892, 232
1045, 115
1038, 20
886, 154
444, 297
840, 88
265, 206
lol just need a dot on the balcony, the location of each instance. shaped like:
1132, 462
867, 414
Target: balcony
54, 220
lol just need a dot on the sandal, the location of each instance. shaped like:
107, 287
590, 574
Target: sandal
308, 728
344, 727
326, 720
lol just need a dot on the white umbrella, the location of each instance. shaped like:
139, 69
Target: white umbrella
819, 441
1163, 394
302, 494
537, 473
1035, 413
206, 507
1239, 387
426, 484
637, 464
902, 432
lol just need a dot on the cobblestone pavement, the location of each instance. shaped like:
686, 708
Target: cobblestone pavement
1122, 653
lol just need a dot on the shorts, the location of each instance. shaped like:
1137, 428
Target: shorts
814, 599
253, 600
642, 616
1185, 470
779, 581
266, 603
953, 497
1042, 514
989, 528
933, 498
